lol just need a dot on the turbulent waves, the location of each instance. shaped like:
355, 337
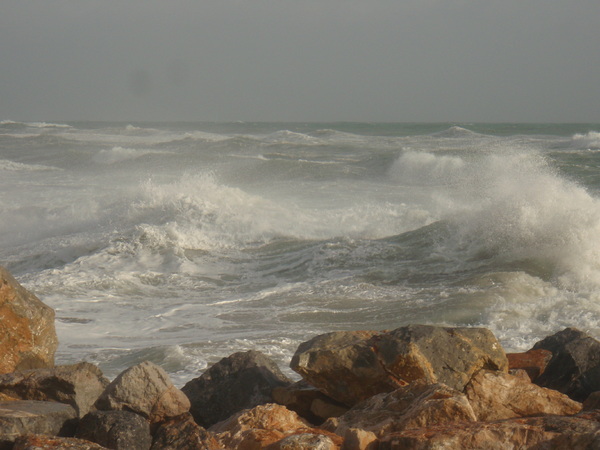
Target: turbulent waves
185, 242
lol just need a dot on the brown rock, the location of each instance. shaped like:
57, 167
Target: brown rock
540, 433
33, 417
592, 402
182, 433
353, 366
498, 395
308, 402
344, 366
42, 442
357, 439
533, 362
78, 385
27, 335
240, 381
440, 355
414, 406
145, 389
261, 426
305, 441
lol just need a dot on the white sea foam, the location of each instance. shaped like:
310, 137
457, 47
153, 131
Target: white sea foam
12, 166
590, 140
120, 154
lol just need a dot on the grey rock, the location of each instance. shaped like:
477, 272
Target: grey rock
240, 381
145, 389
119, 430
78, 385
575, 365
35, 417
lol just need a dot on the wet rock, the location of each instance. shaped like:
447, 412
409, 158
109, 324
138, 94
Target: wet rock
34, 417
575, 365
414, 406
42, 442
353, 366
182, 433
240, 381
534, 362
27, 334
119, 430
78, 385
261, 426
145, 389
498, 395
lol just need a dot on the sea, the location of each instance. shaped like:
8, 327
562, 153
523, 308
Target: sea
182, 243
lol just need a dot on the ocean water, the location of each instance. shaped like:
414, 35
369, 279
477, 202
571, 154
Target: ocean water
181, 243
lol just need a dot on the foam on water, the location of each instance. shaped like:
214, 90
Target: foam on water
182, 245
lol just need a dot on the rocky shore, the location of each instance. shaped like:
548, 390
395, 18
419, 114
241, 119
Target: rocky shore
415, 387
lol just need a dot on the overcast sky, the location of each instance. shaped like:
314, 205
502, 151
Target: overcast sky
301, 60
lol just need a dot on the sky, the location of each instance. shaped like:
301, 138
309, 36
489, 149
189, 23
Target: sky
300, 60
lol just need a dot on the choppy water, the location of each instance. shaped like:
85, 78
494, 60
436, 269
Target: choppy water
182, 243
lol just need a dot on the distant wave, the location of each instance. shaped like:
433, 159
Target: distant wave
12, 123
590, 140
455, 132
11, 166
120, 154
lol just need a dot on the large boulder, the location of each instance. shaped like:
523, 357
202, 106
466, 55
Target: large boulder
27, 334
78, 385
498, 395
414, 406
344, 365
147, 390
575, 365
34, 417
118, 430
262, 426
353, 366
546, 432
240, 381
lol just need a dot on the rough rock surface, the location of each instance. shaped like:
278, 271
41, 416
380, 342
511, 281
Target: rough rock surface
240, 381
304, 441
498, 395
262, 426
534, 362
353, 366
119, 430
439, 354
27, 334
344, 366
78, 385
182, 433
308, 402
34, 417
575, 365
541, 433
414, 406
42, 442
145, 389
